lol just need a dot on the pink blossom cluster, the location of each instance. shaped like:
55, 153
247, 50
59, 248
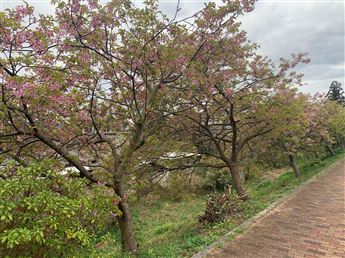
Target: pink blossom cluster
22, 11
20, 89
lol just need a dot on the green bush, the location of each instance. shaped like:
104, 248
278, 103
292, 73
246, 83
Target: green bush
217, 179
45, 214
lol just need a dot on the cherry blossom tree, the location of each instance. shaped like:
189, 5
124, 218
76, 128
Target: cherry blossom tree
334, 122
95, 82
232, 96
300, 126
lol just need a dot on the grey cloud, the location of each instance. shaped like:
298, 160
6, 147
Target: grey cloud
188, 8
288, 27
280, 28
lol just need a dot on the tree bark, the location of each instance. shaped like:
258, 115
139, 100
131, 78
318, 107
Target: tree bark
128, 240
242, 175
330, 149
294, 166
237, 182
317, 155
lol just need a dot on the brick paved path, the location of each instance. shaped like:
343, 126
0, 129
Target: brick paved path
309, 224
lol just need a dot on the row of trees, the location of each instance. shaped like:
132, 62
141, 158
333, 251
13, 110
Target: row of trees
113, 87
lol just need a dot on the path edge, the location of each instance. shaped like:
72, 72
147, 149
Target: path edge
246, 224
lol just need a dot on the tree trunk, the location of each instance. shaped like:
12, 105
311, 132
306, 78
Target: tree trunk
128, 240
242, 175
330, 149
294, 166
317, 155
237, 182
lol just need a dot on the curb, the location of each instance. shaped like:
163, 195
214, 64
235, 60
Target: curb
245, 225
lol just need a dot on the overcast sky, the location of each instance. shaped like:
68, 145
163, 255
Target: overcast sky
280, 27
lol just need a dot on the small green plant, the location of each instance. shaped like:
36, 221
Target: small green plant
43, 213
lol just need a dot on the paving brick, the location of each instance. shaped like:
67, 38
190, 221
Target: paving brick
311, 223
316, 252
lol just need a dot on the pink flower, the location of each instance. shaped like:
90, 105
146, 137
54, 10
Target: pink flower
195, 81
100, 183
182, 60
83, 115
22, 11
92, 4
136, 64
36, 44
229, 92
21, 37
55, 86
19, 90
75, 6
115, 202
85, 57
113, 214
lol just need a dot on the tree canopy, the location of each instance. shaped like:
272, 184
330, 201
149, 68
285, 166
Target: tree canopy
109, 87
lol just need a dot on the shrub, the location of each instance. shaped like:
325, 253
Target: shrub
217, 179
253, 172
44, 214
177, 186
220, 207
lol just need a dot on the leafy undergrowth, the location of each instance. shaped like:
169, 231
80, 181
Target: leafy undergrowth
169, 228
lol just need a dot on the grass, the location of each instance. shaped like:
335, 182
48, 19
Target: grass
169, 228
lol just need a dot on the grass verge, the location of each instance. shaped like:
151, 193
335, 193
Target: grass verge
169, 228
